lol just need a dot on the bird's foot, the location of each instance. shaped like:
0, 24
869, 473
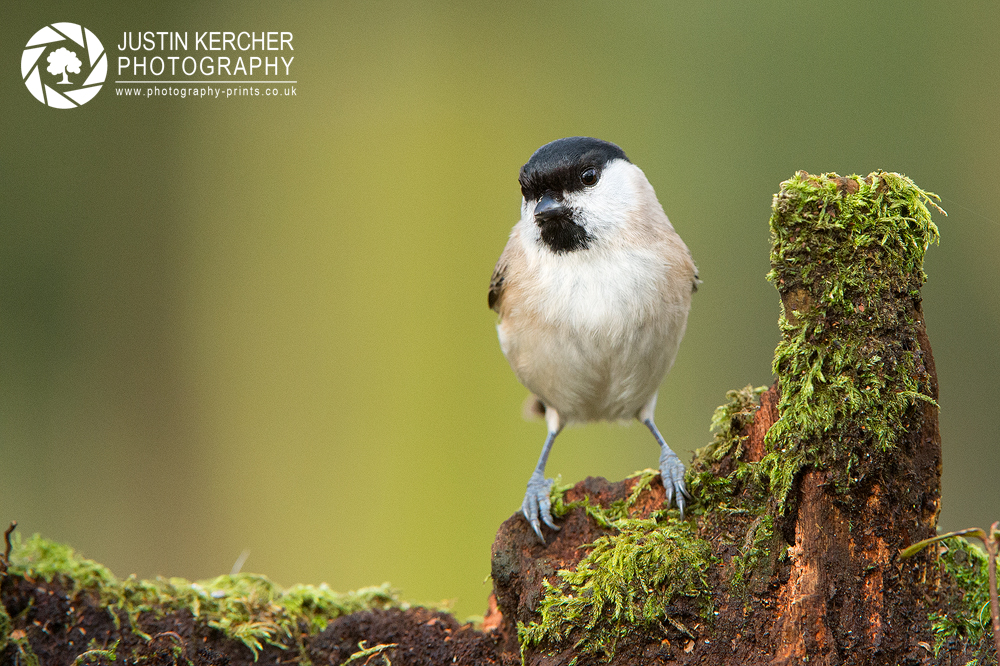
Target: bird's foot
537, 504
672, 473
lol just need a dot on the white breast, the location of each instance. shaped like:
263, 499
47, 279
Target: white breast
593, 335
602, 293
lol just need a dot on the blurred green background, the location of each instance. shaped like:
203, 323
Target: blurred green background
261, 323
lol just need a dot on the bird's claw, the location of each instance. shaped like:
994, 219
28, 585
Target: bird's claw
672, 473
537, 504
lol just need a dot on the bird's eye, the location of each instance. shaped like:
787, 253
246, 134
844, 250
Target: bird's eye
589, 176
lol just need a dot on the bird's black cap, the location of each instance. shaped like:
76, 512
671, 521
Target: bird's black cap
556, 167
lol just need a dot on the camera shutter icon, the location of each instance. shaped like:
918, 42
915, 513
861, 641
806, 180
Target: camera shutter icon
73, 56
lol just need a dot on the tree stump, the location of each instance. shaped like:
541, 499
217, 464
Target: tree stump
806, 496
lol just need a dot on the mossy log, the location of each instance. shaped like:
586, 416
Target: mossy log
788, 554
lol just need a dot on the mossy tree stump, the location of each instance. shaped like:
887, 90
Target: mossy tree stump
853, 441
806, 496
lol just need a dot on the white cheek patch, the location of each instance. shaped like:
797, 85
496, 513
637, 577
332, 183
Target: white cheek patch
607, 206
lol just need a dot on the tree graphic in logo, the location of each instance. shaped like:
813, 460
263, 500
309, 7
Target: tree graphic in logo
61, 61
69, 48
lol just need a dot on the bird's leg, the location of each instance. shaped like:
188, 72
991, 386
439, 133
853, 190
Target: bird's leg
671, 467
537, 504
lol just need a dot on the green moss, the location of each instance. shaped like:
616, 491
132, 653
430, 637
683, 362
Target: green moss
367, 653
41, 558
742, 493
847, 257
627, 579
111, 653
605, 517
246, 607
969, 616
5, 626
720, 493
757, 544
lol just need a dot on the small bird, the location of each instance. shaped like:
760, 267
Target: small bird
592, 291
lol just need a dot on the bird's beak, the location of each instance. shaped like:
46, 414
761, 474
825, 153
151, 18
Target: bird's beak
548, 208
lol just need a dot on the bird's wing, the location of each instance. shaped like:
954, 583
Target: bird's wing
499, 278
496, 283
